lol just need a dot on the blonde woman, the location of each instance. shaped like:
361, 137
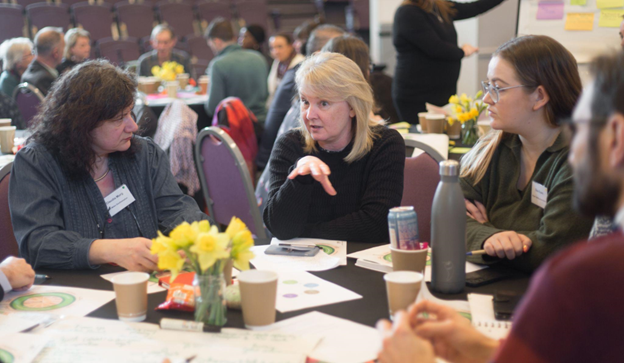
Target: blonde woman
337, 175
77, 49
516, 179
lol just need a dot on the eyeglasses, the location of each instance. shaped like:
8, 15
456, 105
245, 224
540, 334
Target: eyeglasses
494, 91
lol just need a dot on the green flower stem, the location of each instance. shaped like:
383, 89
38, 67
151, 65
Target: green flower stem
209, 303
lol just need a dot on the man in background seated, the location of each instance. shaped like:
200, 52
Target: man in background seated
575, 292
235, 72
163, 40
15, 274
49, 46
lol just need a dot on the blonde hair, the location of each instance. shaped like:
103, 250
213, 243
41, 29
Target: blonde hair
337, 78
537, 60
71, 38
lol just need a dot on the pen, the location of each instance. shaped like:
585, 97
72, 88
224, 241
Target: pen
476, 253
38, 276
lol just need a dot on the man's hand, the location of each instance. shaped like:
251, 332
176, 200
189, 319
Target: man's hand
19, 273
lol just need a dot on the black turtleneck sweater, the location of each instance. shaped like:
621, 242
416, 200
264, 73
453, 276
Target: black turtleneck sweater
366, 190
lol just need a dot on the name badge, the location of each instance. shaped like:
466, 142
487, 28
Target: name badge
118, 200
539, 195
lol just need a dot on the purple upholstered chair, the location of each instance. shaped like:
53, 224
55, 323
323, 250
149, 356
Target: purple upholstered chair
8, 244
135, 20
199, 48
28, 98
41, 15
11, 21
119, 52
210, 10
225, 180
179, 16
96, 19
422, 175
254, 12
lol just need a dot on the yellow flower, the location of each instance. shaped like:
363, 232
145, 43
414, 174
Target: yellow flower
162, 243
479, 94
209, 248
179, 69
450, 121
235, 226
474, 113
458, 109
184, 234
155, 71
172, 261
463, 98
454, 99
241, 243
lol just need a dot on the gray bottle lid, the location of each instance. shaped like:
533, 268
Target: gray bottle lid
449, 168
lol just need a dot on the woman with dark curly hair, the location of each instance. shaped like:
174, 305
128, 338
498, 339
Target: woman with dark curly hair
86, 191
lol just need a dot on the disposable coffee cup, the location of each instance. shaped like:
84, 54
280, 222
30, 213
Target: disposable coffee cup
435, 123
131, 295
7, 139
422, 118
402, 288
258, 290
183, 78
203, 84
172, 89
5, 122
408, 260
148, 85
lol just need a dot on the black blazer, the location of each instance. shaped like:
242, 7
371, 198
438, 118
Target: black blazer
37, 75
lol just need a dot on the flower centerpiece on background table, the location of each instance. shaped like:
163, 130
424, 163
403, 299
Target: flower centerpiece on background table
168, 71
467, 112
201, 248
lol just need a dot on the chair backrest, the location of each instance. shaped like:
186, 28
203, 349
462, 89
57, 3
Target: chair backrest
11, 21
419, 185
179, 16
210, 10
96, 19
41, 15
28, 99
254, 12
135, 20
198, 47
225, 180
119, 52
8, 244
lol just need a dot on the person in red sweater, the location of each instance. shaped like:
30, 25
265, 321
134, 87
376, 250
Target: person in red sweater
572, 311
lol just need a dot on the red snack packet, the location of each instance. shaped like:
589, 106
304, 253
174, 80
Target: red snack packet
179, 297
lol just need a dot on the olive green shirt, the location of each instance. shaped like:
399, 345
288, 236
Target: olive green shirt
509, 209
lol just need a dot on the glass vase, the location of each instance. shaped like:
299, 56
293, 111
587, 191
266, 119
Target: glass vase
470, 132
210, 306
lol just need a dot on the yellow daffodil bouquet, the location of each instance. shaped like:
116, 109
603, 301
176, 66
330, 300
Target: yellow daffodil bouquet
467, 110
201, 248
168, 71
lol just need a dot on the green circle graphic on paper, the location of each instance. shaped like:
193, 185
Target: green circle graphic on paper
6, 357
289, 282
429, 258
388, 257
327, 249
43, 302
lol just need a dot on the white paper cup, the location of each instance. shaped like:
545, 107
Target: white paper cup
258, 290
131, 295
5, 122
172, 89
7, 139
402, 288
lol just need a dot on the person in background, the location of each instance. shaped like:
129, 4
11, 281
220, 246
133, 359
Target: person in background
285, 95
302, 33
163, 41
285, 58
428, 58
16, 54
15, 274
49, 46
82, 151
337, 176
77, 49
573, 292
235, 72
516, 179
252, 37
9, 109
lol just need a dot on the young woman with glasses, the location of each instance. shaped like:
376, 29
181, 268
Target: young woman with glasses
516, 179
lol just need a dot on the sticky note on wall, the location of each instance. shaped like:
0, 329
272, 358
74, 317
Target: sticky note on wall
605, 4
610, 18
579, 21
550, 10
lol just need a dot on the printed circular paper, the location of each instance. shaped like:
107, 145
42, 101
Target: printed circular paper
311, 292
289, 282
6, 357
327, 249
43, 302
388, 257
290, 296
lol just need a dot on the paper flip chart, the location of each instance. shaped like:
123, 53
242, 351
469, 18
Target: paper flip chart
579, 21
578, 2
550, 10
605, 4
610, 18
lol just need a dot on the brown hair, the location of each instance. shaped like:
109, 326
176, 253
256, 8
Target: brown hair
221, 29
80, 101
537, 60
445, 8
286, 37
353, 48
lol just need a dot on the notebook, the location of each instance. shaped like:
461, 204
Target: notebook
482, 311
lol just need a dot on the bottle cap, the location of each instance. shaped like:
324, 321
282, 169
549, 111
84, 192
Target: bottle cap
449, 168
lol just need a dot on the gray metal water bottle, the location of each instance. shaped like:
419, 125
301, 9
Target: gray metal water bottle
448, 232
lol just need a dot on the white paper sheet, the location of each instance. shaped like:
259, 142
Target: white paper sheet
298, 290
100, 340
15, 322
343, 341
483, 318
332, 248
320, 262
59, 300
460, 306
20, 348
152, 286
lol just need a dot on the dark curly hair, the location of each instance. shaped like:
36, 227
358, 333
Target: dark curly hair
80, 101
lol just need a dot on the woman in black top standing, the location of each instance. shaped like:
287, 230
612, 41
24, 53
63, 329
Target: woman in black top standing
428, 58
